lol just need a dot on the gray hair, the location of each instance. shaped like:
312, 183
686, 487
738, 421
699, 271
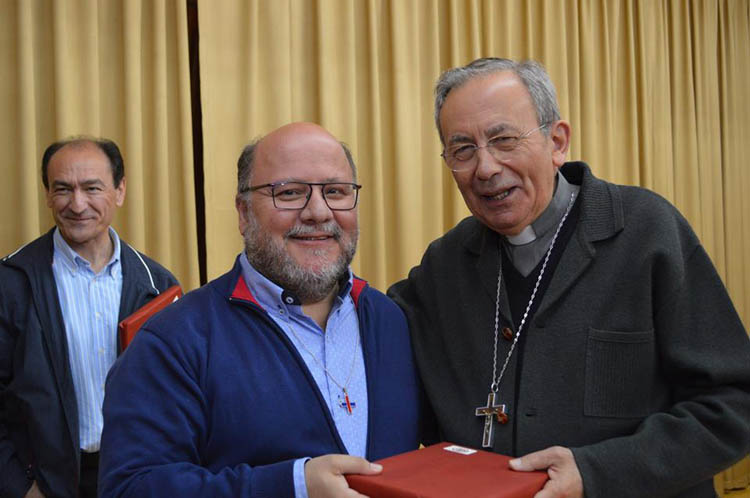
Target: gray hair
247, 157
531, 73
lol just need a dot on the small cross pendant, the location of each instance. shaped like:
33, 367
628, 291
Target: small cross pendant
498, 410
347, 403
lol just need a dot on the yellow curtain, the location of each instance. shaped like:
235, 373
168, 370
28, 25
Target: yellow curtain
656, 92
102, 68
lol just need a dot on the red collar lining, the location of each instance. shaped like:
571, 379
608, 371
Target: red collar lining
241, 291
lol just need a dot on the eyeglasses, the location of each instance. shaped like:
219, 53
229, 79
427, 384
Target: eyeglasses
296, 195
460, 157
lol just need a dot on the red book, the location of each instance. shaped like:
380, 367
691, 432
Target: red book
130, 325
446, 470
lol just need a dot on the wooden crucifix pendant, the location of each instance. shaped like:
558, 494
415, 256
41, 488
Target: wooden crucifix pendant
498, 410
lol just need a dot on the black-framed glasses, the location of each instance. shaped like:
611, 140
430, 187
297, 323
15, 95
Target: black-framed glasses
461, 156
338, 196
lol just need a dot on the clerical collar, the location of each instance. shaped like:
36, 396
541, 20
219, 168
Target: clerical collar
527, 235
527, 248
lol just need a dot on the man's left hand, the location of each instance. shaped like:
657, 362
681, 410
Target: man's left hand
564, 478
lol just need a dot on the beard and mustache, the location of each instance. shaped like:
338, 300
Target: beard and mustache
271, 259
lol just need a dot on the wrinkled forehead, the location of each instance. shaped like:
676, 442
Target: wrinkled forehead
488, 104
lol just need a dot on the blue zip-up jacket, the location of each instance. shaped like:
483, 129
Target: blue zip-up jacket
38, 410
212, 399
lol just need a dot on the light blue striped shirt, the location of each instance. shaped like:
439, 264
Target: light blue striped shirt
335, 348
90, 305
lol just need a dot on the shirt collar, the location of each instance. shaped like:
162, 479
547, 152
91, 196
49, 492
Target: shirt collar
271, 296
74, 261
549, 218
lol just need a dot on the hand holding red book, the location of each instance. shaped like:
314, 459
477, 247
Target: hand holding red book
446, 470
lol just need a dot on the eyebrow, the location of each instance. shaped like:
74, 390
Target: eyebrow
459, 139
60, 183
325, 180
489, 133
93, 181
84, 183
498, 129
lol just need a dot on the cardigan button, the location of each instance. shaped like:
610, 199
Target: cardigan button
507, 334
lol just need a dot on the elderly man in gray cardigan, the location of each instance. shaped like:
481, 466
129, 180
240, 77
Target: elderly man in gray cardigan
576, 324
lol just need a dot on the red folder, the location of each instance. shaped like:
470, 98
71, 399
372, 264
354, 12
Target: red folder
446, 470
130, 325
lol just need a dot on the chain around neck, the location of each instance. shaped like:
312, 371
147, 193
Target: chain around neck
495, 385
320, 365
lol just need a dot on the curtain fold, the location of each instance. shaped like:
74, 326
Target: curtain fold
102, 68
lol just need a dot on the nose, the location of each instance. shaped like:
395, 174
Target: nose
487, 165
316, 211
77, 201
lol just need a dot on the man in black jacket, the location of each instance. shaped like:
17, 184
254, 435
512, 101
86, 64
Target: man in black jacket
61, 298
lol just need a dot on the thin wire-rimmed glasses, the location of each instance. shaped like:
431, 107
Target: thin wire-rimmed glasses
461, 156
338, 196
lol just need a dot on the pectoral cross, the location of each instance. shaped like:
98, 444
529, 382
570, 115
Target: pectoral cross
498, 410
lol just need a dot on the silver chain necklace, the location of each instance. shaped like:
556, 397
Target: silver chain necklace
348, 404
498, 409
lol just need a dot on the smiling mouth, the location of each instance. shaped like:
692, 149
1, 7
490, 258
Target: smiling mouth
500, 196
313, 238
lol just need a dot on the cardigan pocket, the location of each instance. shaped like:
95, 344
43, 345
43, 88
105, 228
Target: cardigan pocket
619, 373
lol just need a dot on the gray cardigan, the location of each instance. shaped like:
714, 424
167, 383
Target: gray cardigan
636, 358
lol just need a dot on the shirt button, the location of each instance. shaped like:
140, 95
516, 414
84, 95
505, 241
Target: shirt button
289, 300
507, 333
98, 315
281, 312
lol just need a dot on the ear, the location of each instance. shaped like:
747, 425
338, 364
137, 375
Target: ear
120, 192
241, 205
559, 134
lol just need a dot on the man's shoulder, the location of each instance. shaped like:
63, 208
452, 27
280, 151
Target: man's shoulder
199, 305
644, 218
145, 267
29, 263
646, 208
377, 299
636, 197
188, 308
467, 234
633, 196
31, 253
201, 317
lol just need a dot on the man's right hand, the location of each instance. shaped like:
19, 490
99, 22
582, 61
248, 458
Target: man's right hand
34, 492
324, 475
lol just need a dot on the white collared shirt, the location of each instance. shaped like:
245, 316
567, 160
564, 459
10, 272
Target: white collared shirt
90, 305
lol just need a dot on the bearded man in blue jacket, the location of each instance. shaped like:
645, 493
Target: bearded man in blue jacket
284, 374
